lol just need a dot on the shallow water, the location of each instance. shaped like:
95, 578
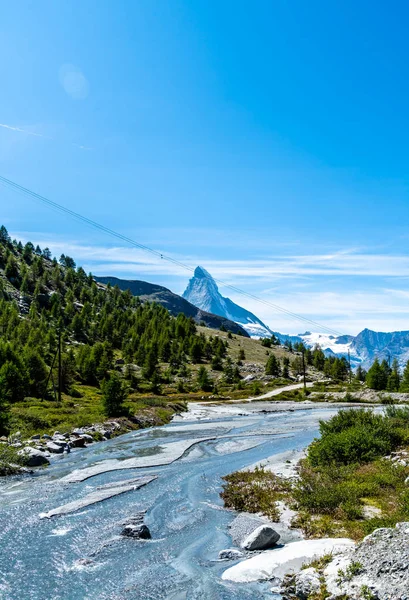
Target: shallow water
81, 556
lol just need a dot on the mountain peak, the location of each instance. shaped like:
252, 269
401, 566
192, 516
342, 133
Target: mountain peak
202, 291
201, 273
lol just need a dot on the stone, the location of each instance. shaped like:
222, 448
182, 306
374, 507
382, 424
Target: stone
140, 532
60, 442
230, 554
37, 436
261, 538
54, 448
77, 442
87, 438
45, 436
35, 458
307, 583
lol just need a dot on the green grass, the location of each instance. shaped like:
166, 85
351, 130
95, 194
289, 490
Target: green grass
254, 491
10, 460
35, 416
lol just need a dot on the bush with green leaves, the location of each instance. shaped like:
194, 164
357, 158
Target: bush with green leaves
354, 436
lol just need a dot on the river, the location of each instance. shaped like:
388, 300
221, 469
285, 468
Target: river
81, 556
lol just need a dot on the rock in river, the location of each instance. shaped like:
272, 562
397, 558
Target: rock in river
261, 538
230, 554
35, 458
140, 532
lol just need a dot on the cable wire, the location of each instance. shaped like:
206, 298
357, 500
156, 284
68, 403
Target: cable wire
91, 223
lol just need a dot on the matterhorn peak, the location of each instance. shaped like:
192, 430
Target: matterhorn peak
202, 291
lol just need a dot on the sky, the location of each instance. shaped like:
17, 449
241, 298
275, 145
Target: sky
266, 141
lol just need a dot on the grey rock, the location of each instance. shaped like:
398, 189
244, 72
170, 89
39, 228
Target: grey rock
45, 436
77, 442
243, 525
230, 554
54, 448
307, 582
140, 532
35, 458
261, 538
60, 442
384, 566
87, 438
77, 431
37, 436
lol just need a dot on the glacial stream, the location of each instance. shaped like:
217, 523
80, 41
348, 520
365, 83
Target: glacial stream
79, 554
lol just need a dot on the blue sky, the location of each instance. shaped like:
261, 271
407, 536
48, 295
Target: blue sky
267, 141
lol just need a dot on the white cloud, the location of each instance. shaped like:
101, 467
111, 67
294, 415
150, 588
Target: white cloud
298, 283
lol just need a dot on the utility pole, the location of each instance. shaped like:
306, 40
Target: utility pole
303, 368
59, 366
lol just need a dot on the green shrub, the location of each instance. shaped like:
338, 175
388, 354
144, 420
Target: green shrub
355, 436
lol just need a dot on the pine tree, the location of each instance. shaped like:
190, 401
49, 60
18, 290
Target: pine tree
5, 239
394, 377
360, 374
114, 395
204, 380
286, 365
404, 385
377, 376
273, 366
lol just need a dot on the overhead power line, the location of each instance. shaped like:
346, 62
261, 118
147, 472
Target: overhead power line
91, 223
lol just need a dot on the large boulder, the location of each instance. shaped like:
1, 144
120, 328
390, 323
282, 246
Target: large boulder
34, 457
261, 538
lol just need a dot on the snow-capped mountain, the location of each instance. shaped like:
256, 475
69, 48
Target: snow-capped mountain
202, 291
363, 348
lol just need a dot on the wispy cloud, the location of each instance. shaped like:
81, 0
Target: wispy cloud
41, 135
26, 131
313, 285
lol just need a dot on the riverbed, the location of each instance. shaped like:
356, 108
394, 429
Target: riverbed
80, 554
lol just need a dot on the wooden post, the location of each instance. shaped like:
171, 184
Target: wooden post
59, 366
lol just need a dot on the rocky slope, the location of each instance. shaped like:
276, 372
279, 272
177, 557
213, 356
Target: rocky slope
376, 569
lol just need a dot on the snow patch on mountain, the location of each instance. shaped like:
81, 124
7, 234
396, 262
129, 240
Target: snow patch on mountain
202, 291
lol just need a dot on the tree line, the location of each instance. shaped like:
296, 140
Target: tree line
41, 297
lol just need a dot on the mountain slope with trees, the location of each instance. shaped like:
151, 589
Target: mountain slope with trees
172, 302
120, 355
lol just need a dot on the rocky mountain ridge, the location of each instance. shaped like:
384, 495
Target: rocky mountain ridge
362, 349
203, 292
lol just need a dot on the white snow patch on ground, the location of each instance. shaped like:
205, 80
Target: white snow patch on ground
283, 464
289, 559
